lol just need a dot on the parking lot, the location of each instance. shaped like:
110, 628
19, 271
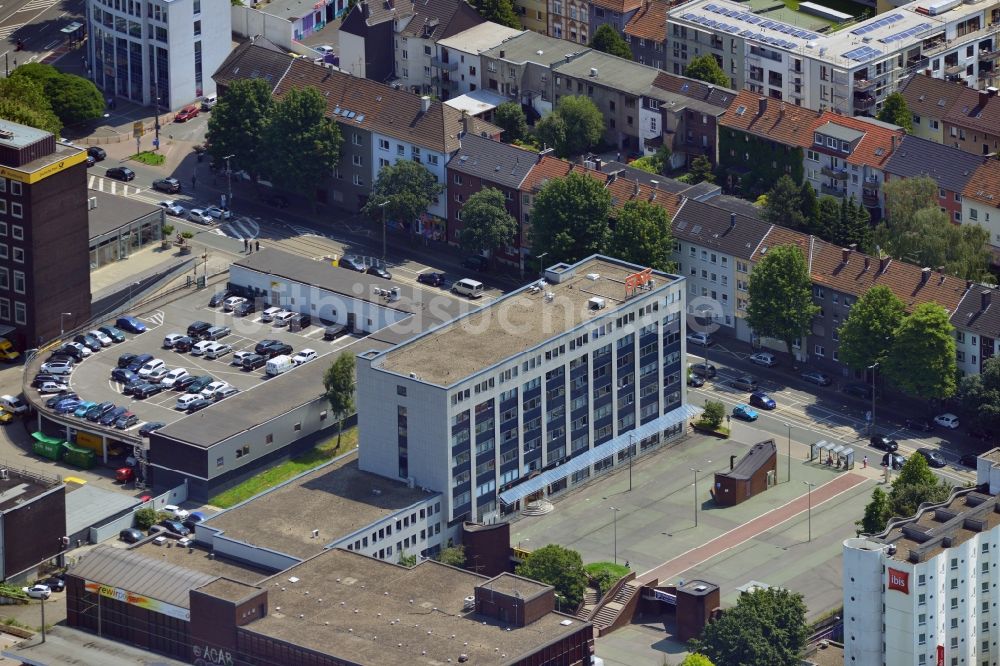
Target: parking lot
92, 377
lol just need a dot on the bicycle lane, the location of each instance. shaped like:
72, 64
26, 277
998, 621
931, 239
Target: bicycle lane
749, 530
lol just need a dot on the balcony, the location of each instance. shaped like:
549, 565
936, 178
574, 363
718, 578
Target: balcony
836, 174
863, 84
987, 54
870, 198
444, 64
833, 191
863, 102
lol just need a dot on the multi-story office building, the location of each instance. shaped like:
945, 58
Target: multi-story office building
158, 52
848, 71
567, 378
44, 248
925, 590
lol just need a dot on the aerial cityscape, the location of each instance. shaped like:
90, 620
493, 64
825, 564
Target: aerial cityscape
513, 332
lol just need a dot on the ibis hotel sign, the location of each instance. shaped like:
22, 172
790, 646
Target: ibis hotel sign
899, 580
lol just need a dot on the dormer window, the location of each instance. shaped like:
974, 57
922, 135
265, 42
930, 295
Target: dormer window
818, 139
831, 143
845, 147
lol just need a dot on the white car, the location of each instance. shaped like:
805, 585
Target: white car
52, 387
156, 375
765, 359
176, 512
103, 337
270, 313
325, 49
230, 303
218, 350
200, 348
700, 339
150, 366
240, 355
57, 367
185, 400
199, 216
172, 208
947, 420
170, 339
38, 591
304, 356
218, 213
173, 377
209, 391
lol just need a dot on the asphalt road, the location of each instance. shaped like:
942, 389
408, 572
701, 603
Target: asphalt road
37, 23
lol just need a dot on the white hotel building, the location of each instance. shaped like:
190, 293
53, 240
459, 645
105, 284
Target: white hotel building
850, 71
531, 394
926, 590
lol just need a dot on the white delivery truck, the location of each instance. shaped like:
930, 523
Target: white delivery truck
278, 365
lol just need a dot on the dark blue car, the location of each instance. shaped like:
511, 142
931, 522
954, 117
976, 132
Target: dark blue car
67, 406
130, 324
123, 375
110, 417
139, 361
762, 400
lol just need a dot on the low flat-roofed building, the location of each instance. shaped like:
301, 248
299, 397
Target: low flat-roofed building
32, 521
340, 607
120, 226
346, 507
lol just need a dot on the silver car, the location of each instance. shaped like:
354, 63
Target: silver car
199, 216
57, 367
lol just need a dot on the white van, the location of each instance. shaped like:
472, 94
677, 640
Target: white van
278, 365
282, 318
467, 287
268, 314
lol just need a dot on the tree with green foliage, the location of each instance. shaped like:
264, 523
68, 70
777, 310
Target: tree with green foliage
407, 560
894, 110
767, 627
23, 100
853, 226
921, 360
827, 220
700, 171
696, 660
338, 383
74, 99
642, 235
486, 224
808, 202
408, 187
657, 163
146, 517
706, 68
784, 205
914, 485
780, 290
301, 143
498, 11
714, 412
559, 567
876, 513
510, 117
569, 218
236, 124
905, 196
980, 395
452, 556
869, 331
607, 40
573, 127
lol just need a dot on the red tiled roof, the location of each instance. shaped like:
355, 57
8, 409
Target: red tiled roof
550, 167
650, 22
781, 122
874, 149
620, 6
984, 183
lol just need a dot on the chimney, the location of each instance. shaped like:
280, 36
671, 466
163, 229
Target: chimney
732, 462
992, 91
925, 275
928, 72
636, 189
984, 98
883, 264
598, 163
465, 122
503, 54
984, 299
845, 254
543, 153
968, 284
732, 220
425, 103
655, 184
868, 262
366, 11
893, 149
762, 106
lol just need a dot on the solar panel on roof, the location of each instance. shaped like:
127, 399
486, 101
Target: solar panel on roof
688, 16
862, 54
746, 33
750, 18
905, 33
732, 29
711, 7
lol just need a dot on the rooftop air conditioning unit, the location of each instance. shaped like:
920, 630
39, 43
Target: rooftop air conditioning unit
596, 303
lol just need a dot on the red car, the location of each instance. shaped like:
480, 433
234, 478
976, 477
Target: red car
187, 113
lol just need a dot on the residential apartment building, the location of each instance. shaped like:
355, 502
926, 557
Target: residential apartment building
690, 113
977, 328
951, 168
157, 53
924, 591
255, 59
569, 20
974, 125
981, 201
456, 66
481, 163
554, 383
646, 34
929, 99
44, 236
382, 125
712, 250
616, 13
534, 15
847, 71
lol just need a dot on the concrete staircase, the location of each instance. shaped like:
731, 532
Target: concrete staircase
590, 600
609, 613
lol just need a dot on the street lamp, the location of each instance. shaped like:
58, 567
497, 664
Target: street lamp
540, 257
871, 425
810, 493
384, 226
696, 472
789, 426
62, 318
615, 523
631, 445
229, 184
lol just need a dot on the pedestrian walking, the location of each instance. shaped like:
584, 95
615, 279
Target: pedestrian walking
864, 463
246, 245
258, 246
194, 182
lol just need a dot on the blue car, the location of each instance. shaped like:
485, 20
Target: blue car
130, 324
83, 408
123, 375
744, 412
67, 406
62, 397
762, 400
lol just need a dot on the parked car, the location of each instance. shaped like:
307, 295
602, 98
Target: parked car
174, 527
476, 263
57, 367
238, 357
149, 366
254, 361
175, 512
199, 383
947, 420
277, 350
185, 400
187, 113
55, 583
41, 378
125, 360
893, 460
264, 344
13, 404
65, 397
816, 377
197, 329
269, 314
218, 298
232, 302
199, 348
227, 392
745, 413
171, 377
126, 421
431, 279
352, 263
210, 390
883, 443
183, 344
863, 391
113, 333
744, 383
149, 427
700, 339
147, 390
304, 356
217, 350
81, 349
379, 271
168, 185
208, 102
120, 173
110, 417
97, 153
156, 375
217, 333
919, 424
67, 405
199, 405
48, 388
131, 535
131, 387
139, 361
123, 375
198, 215
282, 318
84, 407
694, 381
101, 337
70, 351
130, 324
706, 370
37, 591
193, 519
172, 208
333, 332
299, 321
218, 213
762, 400
170, 338
245, 308
95, 413
765, 359
934, 458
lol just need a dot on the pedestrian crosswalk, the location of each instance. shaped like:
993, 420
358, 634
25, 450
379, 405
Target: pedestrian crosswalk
241, 228
8, 30
112, 186
36, 5
300, 230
